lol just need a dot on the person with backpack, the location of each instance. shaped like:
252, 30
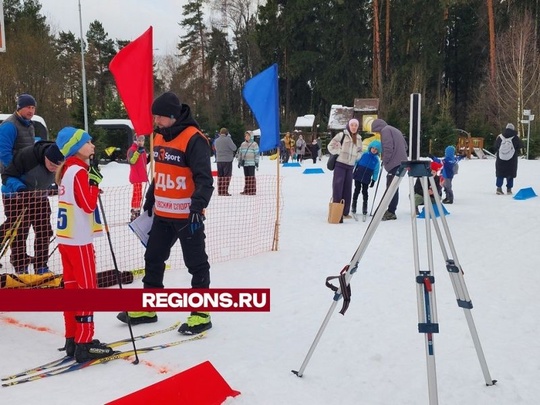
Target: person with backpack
506, 145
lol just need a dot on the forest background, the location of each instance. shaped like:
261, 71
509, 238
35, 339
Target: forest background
475, 62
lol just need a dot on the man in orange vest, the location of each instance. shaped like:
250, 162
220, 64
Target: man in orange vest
176, 199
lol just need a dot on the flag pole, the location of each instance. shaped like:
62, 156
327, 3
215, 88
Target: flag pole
83, 72
276, 225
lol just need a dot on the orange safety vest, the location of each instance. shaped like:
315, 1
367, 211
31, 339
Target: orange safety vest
173, 178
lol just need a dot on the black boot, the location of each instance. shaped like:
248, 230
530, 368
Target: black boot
69, 347
92, 350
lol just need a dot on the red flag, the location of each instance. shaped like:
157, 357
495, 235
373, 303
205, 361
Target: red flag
132, 69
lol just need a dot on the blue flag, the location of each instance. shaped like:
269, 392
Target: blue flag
262, 96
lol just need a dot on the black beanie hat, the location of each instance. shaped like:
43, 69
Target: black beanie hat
167, 105
53, 154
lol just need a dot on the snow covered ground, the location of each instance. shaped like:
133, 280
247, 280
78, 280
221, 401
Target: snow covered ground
374, 354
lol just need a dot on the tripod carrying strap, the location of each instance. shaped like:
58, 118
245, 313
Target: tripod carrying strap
345, 290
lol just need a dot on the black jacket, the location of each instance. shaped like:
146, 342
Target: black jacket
507, 168
197, 158
27, 170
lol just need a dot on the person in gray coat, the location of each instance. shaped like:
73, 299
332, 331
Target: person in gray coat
225, 149
394, 151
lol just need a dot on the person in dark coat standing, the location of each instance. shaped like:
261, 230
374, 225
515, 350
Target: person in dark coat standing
178, 212
314, 149
394, 151
225, 149
16, 133
507, 169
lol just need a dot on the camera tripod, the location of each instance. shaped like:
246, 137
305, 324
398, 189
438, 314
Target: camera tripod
425, 280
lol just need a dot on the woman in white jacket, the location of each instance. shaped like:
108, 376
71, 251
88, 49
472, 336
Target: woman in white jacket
348, 146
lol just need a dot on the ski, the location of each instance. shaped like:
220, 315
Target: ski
117, 355
67, 359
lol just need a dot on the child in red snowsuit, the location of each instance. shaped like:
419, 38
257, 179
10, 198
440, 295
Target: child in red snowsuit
78, 222
137, 159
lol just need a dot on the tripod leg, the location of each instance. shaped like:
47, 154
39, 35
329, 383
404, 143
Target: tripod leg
353, 265
458, 283
300, 371
425, 289
428, 325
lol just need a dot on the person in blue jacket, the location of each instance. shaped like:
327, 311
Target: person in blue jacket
365, 174
449, 170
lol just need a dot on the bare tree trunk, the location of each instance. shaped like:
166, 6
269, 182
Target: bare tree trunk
517, 83
492, 52
203, 64
387, 37
377, 68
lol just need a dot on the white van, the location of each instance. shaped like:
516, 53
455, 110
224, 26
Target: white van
39, 126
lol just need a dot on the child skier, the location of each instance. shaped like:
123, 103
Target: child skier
450, 168
366, 172
137, 159
78, 221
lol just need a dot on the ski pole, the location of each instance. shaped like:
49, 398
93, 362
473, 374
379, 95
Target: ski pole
54, 249
375, 195
118, 278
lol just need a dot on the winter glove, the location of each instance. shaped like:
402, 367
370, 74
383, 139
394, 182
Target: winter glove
372, 183
52, 189
195, 221
94, 176
140, 149
257, 165
149, 205
150, 200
